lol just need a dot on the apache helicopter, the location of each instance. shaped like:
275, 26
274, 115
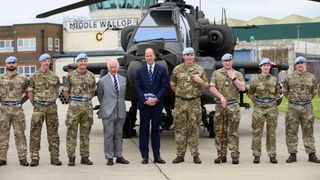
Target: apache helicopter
168, 28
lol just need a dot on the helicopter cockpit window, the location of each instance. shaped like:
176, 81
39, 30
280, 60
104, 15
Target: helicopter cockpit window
151, 33
158, 18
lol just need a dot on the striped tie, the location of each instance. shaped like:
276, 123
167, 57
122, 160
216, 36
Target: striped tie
150, 73
115, 85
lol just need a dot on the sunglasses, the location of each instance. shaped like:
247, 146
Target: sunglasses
300, 62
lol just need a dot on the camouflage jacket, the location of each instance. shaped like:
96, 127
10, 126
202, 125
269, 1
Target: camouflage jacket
264, 87
225, 85
300, 86
80, 84
44, 85
181, 78
13, 87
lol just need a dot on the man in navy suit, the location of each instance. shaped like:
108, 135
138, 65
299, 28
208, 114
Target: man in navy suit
150, 84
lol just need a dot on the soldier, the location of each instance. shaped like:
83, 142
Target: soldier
12, 88
264, 92
299, 88
186, 81
226, 84
43, 91
79, 90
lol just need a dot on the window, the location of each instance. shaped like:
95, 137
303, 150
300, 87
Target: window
27, 70
147, 34
119, 38
6, 45
2, 70
26, 44
56, 44
50, 44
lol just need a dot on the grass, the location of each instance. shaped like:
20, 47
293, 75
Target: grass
283, 107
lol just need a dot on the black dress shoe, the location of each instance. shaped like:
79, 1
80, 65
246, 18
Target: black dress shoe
159, 160
122, 160
145, 161
3, 162
110, 162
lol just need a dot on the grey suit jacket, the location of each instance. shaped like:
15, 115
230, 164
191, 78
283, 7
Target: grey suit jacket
108, 99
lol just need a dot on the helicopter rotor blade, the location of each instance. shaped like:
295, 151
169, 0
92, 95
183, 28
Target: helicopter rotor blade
68, 8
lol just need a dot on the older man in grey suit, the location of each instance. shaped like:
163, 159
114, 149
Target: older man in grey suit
111, 95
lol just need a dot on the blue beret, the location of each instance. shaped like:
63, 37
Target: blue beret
299, 59
188, 50
44, 57
264, 61
11, 59
81, 56
226, 57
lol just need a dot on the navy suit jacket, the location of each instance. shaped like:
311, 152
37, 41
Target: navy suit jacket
160, 83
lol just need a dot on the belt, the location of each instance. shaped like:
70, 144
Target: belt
187, 99
80, 99
229, 102
264, 100
301, 103
44, 103
11, 103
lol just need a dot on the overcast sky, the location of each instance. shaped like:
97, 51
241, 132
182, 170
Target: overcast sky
25, 11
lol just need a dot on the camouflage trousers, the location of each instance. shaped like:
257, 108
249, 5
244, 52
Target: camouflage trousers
40, 114
12, 116
302, 115
187, 118
259, 116
231, 126
79, 114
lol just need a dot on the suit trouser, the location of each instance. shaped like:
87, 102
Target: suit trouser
112, 129
148, 114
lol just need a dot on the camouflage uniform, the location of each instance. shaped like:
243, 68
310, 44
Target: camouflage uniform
45, 87
263, 92
229, 90
11, 90
187, 112
79, 86
300, 87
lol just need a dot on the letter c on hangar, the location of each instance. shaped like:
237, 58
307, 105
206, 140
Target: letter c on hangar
99, 36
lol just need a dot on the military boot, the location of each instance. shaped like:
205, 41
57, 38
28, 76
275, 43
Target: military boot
72, 161
313, 158
34, 162
196, 159
23, 162
256, 159
86, 161
3, 162
292, 158
178, 159
235, 160
56, 162
220, 159
273, 160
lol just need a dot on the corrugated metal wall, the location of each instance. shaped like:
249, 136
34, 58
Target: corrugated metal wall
280, 31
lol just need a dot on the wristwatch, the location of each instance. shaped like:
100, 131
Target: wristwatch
235, 78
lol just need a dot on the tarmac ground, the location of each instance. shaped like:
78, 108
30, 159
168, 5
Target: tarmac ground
301, 170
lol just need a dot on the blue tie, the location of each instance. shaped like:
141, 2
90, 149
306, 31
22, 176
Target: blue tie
115, 85
150, 73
